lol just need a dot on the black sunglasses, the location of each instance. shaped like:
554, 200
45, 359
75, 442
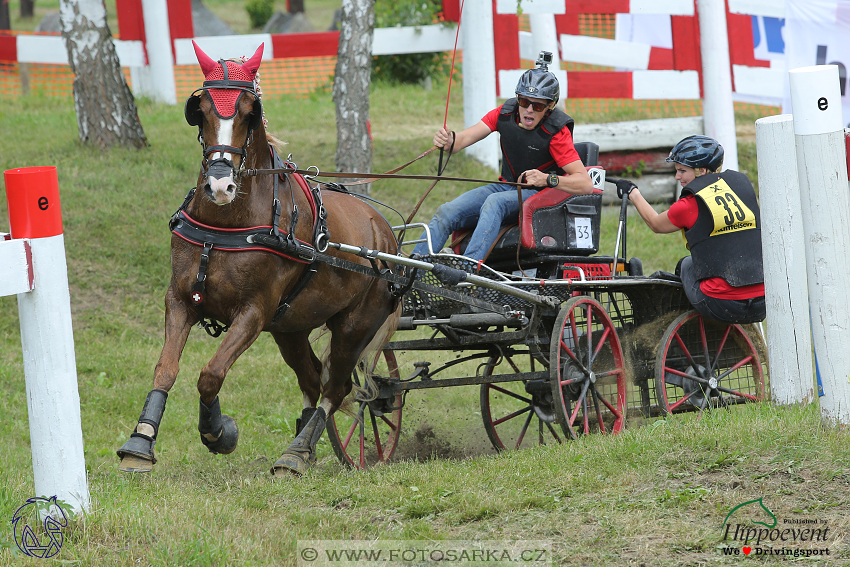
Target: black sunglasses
537, 106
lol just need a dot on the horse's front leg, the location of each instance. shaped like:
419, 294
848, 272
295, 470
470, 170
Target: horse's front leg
219, 432
137, 454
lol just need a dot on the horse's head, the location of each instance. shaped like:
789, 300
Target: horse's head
226, 110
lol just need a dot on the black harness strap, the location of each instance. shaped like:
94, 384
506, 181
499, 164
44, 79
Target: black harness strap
211, 326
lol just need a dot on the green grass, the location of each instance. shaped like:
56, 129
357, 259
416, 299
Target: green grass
655, 495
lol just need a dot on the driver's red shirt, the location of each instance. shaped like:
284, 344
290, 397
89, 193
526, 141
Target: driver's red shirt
560, 146
683, 214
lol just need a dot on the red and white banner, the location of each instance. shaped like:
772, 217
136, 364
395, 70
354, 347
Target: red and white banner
817, 32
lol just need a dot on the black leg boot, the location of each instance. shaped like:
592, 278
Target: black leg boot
301, 454
137, 454
218, 432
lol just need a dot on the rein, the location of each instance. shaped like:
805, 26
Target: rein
309, 173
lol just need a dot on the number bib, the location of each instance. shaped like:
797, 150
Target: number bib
729, 212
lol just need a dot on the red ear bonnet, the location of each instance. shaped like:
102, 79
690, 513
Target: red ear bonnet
225, 99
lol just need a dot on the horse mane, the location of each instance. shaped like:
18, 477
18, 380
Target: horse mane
275, 141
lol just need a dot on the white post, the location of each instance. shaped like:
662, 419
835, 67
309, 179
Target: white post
160, 57
789, 342
825, 200
717, 108
479, 76
47, 338
544, 37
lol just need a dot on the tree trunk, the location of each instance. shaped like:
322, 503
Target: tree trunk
5, 21
27, 8
106, 109
351, 88
296, 6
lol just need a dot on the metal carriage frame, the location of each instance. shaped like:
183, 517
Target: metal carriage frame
581, 352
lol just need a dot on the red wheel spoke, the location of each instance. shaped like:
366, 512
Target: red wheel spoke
685, 350
512, 415
669, 370
552, 431
377, 435
569, 352
514, 367
720, 349
740, 394
598, 411
584, 415
389, 423
600, 344
362, 443
580, 397
589, 315
740, 363
509, 393
617, 413
683, 400
613, 372
704, 340
522, 431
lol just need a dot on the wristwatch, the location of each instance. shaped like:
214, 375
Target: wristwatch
553, 180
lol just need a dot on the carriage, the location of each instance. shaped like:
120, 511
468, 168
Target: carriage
572, 343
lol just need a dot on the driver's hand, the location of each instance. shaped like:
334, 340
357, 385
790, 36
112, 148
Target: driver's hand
443, 139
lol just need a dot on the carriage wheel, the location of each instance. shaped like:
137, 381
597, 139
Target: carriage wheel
517, 414
588, 375
371, 435
702, 364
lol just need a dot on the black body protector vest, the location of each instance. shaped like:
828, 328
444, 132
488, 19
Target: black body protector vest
725, 241
528, 149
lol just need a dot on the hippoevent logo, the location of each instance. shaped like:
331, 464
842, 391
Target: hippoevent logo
756, 531
46, 540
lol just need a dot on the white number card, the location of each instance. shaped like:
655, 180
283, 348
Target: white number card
584, 234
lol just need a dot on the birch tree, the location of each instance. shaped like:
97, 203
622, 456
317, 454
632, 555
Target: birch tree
351, 87
106, 109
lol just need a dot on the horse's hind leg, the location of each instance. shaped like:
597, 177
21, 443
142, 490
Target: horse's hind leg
350, 334
137, 454
298, 354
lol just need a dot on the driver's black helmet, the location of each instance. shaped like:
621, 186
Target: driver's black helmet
698, 151
540, 82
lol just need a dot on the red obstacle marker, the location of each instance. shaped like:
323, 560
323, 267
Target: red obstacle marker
33, 197
38, 275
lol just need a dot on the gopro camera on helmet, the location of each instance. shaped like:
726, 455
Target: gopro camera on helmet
544, 60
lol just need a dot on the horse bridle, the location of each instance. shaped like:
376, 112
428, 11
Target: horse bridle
219, 167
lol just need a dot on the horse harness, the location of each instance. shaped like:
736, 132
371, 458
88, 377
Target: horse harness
262, 238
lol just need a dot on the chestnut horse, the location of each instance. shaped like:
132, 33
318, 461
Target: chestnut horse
251, 289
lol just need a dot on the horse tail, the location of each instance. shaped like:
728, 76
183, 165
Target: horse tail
367, 363
369, 358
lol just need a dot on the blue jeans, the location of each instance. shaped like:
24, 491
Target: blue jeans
484, 208
723, 310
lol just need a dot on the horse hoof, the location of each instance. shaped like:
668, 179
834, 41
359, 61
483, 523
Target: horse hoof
134, 464
227, 439
292, 464
139, 446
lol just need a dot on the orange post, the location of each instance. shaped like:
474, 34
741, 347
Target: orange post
32, 194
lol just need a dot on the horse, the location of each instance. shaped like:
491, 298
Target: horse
249, 288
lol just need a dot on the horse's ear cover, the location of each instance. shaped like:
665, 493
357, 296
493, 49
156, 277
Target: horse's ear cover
192, 111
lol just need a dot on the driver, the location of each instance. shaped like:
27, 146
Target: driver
719, 216
537, 148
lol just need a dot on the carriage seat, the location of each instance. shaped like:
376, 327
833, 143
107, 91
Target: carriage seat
554, 222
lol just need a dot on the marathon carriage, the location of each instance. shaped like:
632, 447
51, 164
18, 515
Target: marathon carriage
571, 344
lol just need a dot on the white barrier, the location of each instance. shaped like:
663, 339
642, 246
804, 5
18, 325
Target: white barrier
39, 278
825, 204
789, 342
